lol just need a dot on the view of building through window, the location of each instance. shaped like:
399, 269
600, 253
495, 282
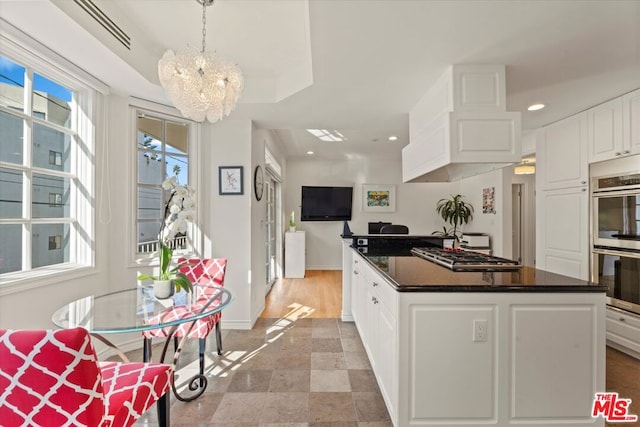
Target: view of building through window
163, 151
37, 173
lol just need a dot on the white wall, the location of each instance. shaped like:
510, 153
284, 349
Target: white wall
415, 203
497, 225
227, 226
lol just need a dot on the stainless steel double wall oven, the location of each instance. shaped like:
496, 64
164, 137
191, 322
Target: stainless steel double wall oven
615, 203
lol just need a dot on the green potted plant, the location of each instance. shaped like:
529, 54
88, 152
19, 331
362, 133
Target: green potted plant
292, 222
456, 212
178, 211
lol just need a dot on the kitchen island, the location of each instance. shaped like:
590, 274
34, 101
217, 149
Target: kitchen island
523, 347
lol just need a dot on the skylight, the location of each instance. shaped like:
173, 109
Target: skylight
327, 135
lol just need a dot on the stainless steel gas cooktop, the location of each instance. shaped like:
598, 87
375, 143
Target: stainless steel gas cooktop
459, 260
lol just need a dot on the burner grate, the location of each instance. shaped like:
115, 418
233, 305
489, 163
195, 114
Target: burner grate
459, 260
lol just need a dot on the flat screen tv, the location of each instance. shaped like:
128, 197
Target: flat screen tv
326, 203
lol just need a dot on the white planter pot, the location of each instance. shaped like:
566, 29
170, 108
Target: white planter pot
292, 229
163, 289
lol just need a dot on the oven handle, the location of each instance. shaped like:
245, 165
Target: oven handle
614, 193
608, 251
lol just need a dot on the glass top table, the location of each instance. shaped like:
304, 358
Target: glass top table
133, 310
138, 310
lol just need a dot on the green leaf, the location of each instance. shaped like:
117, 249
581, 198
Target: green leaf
182, 281
165, 259
146, 277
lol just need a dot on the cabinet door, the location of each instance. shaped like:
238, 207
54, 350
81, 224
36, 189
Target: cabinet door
561, 158
605, 131
562, 232
385, 355
357, 291
631, 121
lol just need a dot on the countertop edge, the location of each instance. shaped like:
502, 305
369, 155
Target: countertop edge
593, 288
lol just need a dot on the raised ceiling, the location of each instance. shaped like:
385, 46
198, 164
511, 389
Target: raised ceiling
357, 66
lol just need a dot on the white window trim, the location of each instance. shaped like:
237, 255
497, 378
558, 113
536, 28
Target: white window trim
168, 113
25, 50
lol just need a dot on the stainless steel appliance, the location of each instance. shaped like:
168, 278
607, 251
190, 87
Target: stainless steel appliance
620, 271
615, 204
458, 260
616, 210
475, 240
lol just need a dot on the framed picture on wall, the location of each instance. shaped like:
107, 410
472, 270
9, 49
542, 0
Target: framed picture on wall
378, 198
230, 180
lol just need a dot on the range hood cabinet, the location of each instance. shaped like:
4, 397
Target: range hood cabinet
461, 128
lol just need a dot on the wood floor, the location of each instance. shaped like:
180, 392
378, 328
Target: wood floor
318, 295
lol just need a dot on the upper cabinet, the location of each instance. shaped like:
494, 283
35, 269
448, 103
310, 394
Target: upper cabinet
614, 128
561, 154
461, 128
631, 120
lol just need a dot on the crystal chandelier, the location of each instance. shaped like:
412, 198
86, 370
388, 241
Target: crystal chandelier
202, 85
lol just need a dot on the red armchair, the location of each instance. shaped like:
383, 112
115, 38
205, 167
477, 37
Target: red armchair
53, 378
206, 274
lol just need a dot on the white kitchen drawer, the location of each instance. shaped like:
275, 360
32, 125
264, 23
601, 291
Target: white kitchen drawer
383, 289
623, 317
623, 329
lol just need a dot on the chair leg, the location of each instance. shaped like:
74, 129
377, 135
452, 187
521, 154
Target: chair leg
203, 344
219, 339
146, 350
164, 410
175, 344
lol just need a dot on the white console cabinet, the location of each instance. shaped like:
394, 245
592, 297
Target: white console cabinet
294, 254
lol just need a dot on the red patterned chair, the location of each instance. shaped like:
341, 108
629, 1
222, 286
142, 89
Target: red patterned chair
53, 378
206, 274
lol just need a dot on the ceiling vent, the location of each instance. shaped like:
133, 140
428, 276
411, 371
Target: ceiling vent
106, 22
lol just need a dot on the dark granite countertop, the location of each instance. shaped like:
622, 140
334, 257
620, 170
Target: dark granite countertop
409, 273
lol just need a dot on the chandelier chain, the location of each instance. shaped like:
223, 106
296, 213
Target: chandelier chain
204, 24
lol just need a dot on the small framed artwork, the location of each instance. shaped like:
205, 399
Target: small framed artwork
378, 198
488, 200
230, 180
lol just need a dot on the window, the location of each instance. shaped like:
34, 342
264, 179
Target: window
162, 151
55, 158
55, 199
43, 159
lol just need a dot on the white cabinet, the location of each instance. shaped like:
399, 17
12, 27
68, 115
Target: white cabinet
605, 131
614, 128
460, 127
562, 198
374, 308
539, 362
294, 254
561, 154
562, 231
623, 331
347, 260
357, 290
631, 121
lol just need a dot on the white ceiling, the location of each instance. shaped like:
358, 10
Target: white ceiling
357, 66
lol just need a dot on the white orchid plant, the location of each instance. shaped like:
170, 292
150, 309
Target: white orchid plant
179, 211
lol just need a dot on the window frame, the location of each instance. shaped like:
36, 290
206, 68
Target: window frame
194, 233
21, 49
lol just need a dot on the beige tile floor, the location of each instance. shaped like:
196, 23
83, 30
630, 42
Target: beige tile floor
284, 373
308, 373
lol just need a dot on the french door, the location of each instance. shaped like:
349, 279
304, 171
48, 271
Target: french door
270, 232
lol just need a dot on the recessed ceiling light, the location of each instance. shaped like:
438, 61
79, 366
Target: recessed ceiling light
393, 138
309, 152
535, 107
